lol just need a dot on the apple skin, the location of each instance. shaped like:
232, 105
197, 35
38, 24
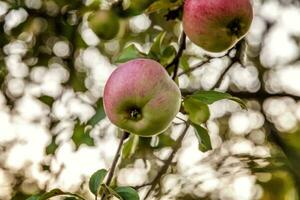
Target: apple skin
141, 98
216, 25
136, 7
105, 24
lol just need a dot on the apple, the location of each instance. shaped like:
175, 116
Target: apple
216, 25
104, 23
141, 98
134, 7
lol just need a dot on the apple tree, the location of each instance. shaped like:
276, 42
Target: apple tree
141, 67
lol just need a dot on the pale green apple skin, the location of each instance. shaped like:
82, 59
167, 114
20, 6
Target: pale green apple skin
136, 7
105, 24
216, 25
143, 85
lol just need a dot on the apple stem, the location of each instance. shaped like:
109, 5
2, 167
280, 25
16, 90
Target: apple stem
110, 176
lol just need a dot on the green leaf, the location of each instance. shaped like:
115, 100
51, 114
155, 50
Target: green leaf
127, 193
130, 146
99, 115
80, 136
94, 6
96, 181
165, 141
210, 97
203, 138
156, 48
77, 80
70, 198
52, 193
184, 63
197, 110
168, 55
34, 197
47, 100
109, 190
51, 148
57, 192
129, 53
163, 4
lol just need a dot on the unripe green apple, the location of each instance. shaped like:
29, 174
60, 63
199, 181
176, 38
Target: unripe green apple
216, 25
136, 7
141, 98
104, 23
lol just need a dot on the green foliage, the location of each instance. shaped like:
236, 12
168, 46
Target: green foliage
138, 146
197, 110
54, 193
99, 115
203, 138
196, 106
164, 4
184, 64
129, 53
161, 49
135, 7
34, 197
63, 22
123, 193
51, 148
47, 100
81, 135
284, 184
209, 97
127, 193
164, 140
129, 148
77, 80
96, 181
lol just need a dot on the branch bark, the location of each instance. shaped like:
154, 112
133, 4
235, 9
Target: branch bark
234, 60
167, 163
175, 62
115, 162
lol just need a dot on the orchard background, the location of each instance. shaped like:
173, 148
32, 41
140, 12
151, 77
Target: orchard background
53, 129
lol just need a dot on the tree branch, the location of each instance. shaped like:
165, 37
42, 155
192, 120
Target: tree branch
260, 95
115, 161
167, 163
234, 60
194, 68
175, 62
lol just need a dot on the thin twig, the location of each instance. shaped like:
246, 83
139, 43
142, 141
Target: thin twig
181, 119
194, 68
259, 95
115, 162
167, 163
175, 62
208, 59
234, 60
222, 76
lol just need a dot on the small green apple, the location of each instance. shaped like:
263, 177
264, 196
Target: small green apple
135, 7
104, 23
140, 97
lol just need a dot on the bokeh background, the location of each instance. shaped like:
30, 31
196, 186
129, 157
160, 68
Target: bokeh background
53, 132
